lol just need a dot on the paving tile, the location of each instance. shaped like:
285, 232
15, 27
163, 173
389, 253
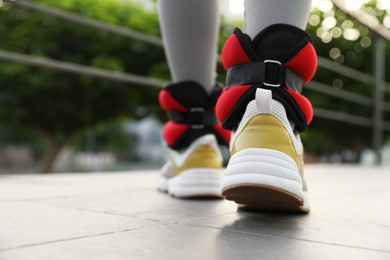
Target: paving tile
28, 223
148, 204
334, 181
122, 216
36, 187
131, 194
177, 241
353, 212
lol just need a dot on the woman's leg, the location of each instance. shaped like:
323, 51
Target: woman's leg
190, 34
260, 14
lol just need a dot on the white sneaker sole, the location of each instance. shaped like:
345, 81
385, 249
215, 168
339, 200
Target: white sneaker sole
193, 183
260, 178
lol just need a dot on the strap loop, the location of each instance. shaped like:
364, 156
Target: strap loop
197, 117
274, 73
269, 73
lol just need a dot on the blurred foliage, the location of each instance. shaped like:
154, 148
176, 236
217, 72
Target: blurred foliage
109, 136
59, 106
339, 37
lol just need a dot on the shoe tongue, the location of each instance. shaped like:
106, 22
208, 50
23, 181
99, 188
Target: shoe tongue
276, 42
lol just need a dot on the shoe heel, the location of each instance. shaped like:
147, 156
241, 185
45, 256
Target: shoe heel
263, 178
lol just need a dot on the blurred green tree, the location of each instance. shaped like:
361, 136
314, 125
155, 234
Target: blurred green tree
58, 105
345, 41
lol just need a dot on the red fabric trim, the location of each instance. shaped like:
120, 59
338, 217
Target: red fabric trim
304, 62
226, 134
167, 102
233, 53
172, 131
304, 104
228, 100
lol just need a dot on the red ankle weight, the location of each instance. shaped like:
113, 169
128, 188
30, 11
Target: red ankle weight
280, 58
192, 114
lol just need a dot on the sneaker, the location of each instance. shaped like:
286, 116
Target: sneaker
264, 108
193, 136
195, 171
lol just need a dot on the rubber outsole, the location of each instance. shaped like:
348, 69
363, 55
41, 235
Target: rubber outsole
197, 183
263, 197
264, 179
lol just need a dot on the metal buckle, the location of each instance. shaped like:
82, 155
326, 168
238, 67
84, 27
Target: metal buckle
197, 110
270, 84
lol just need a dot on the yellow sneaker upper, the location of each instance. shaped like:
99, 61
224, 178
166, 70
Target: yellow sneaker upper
204, 152
266, 131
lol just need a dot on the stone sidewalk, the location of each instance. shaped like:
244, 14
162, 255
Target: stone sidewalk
122, 216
